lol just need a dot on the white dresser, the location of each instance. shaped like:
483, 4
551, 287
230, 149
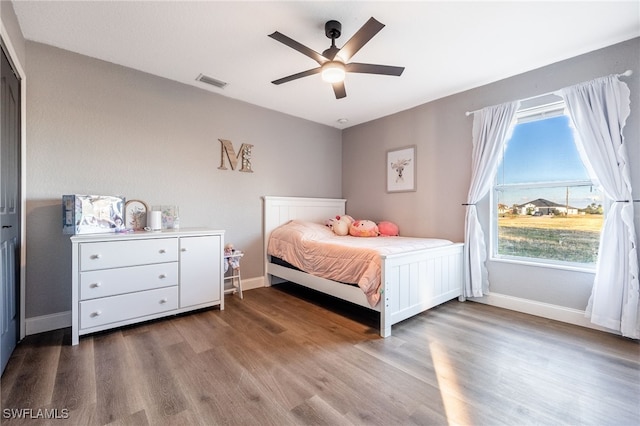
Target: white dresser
125, 278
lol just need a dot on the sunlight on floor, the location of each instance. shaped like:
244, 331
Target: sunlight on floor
450, 390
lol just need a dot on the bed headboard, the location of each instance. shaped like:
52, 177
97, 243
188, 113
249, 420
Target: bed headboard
279, 210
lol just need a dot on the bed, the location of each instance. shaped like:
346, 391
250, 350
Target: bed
411, 280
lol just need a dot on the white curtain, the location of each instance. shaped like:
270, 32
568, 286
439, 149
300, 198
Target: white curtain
491, 129
599, 110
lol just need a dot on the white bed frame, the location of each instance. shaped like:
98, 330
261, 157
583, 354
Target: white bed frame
412, 282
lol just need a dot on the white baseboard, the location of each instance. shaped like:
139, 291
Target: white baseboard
540, 309
45, 323
251, 283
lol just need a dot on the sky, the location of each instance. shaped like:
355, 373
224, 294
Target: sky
544, 151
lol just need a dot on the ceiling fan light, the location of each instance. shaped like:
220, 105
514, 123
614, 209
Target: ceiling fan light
333, 72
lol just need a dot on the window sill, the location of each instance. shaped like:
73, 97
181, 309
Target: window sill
549, 265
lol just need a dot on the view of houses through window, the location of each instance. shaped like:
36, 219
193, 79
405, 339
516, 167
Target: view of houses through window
546, 208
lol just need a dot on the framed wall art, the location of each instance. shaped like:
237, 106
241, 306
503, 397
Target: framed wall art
135, 214
401, 169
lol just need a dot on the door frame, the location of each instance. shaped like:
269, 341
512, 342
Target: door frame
10, 51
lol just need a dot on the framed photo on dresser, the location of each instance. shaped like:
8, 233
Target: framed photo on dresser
135, 215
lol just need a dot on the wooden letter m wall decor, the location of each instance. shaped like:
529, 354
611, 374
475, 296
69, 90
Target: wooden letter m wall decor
227, 151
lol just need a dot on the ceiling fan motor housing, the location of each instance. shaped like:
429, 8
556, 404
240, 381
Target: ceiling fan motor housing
333, 29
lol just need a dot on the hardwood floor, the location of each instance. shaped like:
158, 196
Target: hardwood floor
288, 356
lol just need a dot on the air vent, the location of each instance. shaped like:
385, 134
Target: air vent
212, 81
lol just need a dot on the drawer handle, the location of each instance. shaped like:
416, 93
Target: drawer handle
95, 285
184, 249
162, 251
163, 300
162, 276
96, 256
95, 314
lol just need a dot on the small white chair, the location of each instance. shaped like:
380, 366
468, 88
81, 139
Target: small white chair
233, 260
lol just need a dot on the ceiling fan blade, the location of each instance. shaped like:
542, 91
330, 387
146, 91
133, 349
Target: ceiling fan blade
373, 69
339, 90
359, 39
299, 47
297, 76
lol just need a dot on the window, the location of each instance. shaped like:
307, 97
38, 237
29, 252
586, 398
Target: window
546, 208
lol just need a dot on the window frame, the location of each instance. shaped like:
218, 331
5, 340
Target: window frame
548, 108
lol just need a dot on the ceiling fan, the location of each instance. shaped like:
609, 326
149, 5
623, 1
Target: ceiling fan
334, 62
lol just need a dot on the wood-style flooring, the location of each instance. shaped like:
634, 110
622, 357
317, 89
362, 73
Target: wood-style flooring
288, 356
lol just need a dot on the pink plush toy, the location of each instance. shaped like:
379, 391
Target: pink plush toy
388, 229
340, 225
363, 228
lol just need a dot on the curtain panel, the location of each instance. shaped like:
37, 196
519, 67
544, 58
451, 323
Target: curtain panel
598, 110
491, 129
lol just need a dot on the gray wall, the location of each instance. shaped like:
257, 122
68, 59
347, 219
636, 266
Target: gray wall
443, 162
97, 128
442, 134
14, 34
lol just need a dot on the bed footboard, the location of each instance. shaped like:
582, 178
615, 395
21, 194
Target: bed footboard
418, 281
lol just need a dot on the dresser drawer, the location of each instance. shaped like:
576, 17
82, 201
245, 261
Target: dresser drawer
110, 282
116, 254
97, 312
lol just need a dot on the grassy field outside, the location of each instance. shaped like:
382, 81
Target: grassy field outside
572, 238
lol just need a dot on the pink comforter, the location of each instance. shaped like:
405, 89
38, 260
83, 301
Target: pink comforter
315, 249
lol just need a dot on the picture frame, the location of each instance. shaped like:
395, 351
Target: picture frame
170, 216
401, 169
135, 214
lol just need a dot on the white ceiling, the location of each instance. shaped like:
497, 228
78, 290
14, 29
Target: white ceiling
446, 46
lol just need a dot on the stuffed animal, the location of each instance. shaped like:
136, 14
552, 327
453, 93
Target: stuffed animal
388, 229
340, 224
234, 262
341, 227
363, 228
329, 222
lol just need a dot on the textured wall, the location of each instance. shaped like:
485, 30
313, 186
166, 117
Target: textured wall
98, 128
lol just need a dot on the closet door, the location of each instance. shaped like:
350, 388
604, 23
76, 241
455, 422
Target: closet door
9, 210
